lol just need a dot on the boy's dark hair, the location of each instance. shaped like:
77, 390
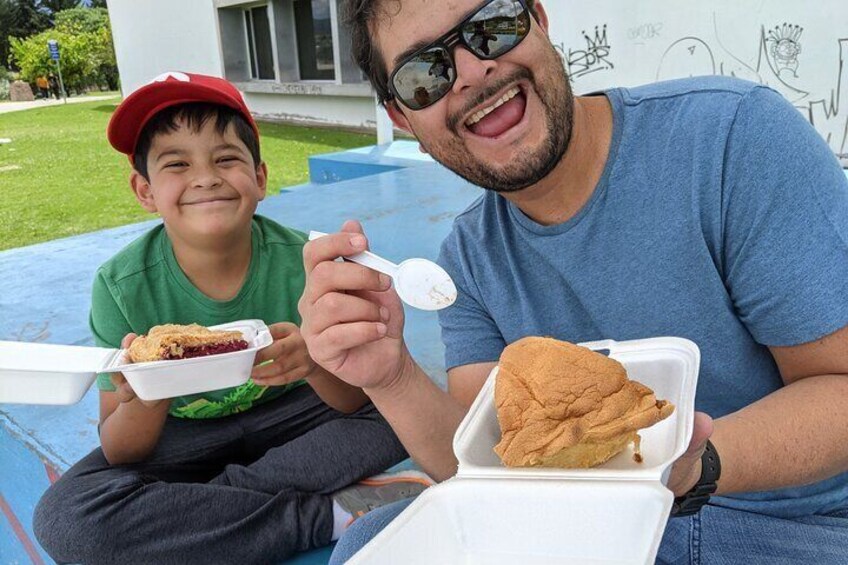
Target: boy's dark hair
194, 115
359, 15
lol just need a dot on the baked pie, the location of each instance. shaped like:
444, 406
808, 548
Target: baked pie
174, 341
563, 405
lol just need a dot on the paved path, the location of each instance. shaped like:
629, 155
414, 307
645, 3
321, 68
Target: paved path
6, 107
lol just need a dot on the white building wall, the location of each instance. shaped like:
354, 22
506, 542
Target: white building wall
154, 36
344, 111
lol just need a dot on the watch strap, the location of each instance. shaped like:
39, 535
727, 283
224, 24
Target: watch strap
692, 502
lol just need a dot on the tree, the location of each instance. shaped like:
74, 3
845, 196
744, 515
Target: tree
7, 14
19, 18
81, 20
85, 44
93, 21
56, 6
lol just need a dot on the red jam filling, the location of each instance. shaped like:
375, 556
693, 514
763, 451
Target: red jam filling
211, 349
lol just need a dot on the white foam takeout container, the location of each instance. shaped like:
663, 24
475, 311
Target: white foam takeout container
613, 513
41, 373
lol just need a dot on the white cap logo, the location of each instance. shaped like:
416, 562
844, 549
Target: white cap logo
182, 77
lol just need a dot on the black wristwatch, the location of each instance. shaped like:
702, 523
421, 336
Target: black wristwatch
691, 502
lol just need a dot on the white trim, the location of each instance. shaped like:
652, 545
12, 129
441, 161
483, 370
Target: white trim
307, 88
334, 32
272, 30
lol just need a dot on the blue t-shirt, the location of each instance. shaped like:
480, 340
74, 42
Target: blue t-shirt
721, 216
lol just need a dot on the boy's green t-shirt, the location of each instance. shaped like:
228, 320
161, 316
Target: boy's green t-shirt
143, 286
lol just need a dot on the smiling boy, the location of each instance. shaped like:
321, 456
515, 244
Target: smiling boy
243, 475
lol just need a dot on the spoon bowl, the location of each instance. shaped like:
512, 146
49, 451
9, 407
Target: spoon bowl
421, 283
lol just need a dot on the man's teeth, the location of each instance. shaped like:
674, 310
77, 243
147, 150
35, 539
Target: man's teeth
512, 93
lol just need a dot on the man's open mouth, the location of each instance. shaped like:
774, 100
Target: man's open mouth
499, 116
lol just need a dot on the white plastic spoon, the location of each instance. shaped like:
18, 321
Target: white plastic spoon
420, 283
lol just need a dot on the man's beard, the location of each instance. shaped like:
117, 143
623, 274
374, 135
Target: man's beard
527, 166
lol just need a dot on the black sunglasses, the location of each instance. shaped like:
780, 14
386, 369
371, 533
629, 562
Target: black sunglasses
425, 76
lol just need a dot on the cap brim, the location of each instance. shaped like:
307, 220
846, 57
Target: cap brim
136, 110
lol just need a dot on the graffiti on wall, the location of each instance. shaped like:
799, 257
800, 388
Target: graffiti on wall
775, 58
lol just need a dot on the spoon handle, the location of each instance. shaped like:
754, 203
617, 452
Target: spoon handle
366, 258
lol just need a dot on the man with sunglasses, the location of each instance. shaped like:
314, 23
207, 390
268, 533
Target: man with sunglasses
705, 208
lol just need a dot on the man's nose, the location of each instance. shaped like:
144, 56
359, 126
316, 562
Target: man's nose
471, 71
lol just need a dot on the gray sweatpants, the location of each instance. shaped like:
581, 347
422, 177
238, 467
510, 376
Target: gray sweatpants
249, 488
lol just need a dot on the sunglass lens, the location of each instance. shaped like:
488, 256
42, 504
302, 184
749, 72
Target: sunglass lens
425, 78
496, 28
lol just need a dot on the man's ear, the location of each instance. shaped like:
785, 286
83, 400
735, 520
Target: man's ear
399, 120
262, 179
397, 117
141, 189
542, 17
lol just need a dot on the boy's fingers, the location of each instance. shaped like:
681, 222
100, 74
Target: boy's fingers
273, 351
128, 339
282, 329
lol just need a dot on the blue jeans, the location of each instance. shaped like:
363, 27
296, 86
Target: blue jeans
715, 536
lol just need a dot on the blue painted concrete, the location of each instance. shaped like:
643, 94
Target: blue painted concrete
365, 161
22, 480
45, 288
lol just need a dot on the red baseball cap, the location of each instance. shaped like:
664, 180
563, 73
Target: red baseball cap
170, 89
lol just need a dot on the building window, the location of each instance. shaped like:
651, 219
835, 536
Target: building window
314, 31
285, 41
259, 45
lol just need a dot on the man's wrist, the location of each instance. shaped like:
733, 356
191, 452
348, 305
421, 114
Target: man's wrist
692, 501
394, 386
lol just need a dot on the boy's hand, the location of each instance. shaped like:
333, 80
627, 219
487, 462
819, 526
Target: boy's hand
290, 359
122, 387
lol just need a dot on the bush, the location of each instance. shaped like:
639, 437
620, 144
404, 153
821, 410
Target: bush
85, 45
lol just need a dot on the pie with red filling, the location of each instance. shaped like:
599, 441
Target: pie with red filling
174, 341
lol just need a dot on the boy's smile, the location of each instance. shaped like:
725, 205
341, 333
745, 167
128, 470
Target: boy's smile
204, 184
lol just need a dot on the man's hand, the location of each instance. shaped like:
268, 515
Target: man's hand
687, 470
122, 387
352, 317
290, 360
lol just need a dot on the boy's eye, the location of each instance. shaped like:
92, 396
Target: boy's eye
175, 164
228, 159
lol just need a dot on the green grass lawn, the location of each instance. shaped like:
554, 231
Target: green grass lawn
60, 177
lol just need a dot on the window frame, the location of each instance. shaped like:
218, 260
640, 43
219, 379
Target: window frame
333, 37
250, 41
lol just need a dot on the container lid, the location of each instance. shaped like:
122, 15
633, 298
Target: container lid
490, 521
667, 365
21, 358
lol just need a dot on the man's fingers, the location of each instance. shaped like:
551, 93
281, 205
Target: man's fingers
342, 337
702, 429
340, 308
352, 226
330, 247
332, 276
